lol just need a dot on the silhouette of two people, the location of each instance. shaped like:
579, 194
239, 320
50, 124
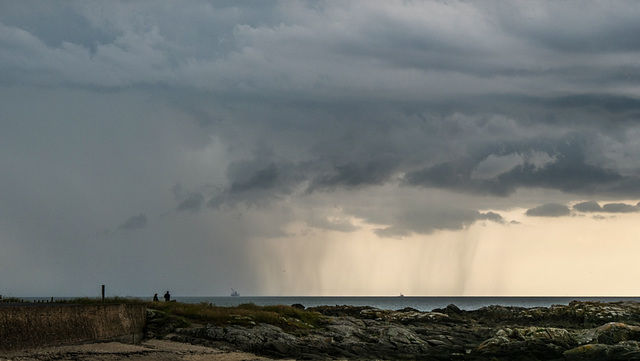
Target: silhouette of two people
167, 297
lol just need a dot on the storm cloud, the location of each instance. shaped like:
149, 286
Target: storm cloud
549, 210
429, 221
588, 206
222, 124
593, 206
193, 202
619, 208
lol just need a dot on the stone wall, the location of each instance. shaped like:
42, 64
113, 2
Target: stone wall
31, 326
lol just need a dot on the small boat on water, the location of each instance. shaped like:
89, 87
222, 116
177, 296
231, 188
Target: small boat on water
234, 293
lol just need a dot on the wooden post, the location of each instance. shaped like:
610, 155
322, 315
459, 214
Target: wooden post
103, 293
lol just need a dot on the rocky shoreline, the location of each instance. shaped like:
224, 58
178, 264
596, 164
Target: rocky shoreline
578, 331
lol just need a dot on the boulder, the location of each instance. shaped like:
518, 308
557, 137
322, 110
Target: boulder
614, 332
528, 343
626, 350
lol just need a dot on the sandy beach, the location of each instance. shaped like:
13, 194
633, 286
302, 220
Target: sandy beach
149, 350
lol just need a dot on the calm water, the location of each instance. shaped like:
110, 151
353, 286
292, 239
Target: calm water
386, 303
396, 303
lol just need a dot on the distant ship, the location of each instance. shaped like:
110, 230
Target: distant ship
234, 293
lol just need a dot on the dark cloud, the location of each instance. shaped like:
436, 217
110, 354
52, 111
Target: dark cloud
619, 208
492, 216
609, 103
595, 33
192, 203
134, 223
549, 210
426, 220
302, 114
589, 206
592, 206
266, 179
253, 182
561, 164
356, 174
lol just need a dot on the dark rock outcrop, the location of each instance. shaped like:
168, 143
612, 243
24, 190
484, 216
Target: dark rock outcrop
578, 331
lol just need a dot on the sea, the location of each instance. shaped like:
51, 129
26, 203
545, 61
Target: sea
400, 302
421, 303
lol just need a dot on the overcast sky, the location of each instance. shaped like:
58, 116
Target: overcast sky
319, 147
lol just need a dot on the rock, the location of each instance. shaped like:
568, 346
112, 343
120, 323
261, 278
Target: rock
160, 324
531, 342
401, 337
626, 350
451, 308
584, 314
264, 339
614, 332
556, 334
587, 352
404, 316
578, 331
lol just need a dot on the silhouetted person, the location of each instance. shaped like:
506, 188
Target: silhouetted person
167, 296
155, 298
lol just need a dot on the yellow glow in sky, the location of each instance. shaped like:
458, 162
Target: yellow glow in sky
579, 255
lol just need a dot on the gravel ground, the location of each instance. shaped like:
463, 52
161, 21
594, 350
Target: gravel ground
150, 350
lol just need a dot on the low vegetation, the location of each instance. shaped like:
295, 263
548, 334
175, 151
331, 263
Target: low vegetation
286, 317
291, 319
11, 300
